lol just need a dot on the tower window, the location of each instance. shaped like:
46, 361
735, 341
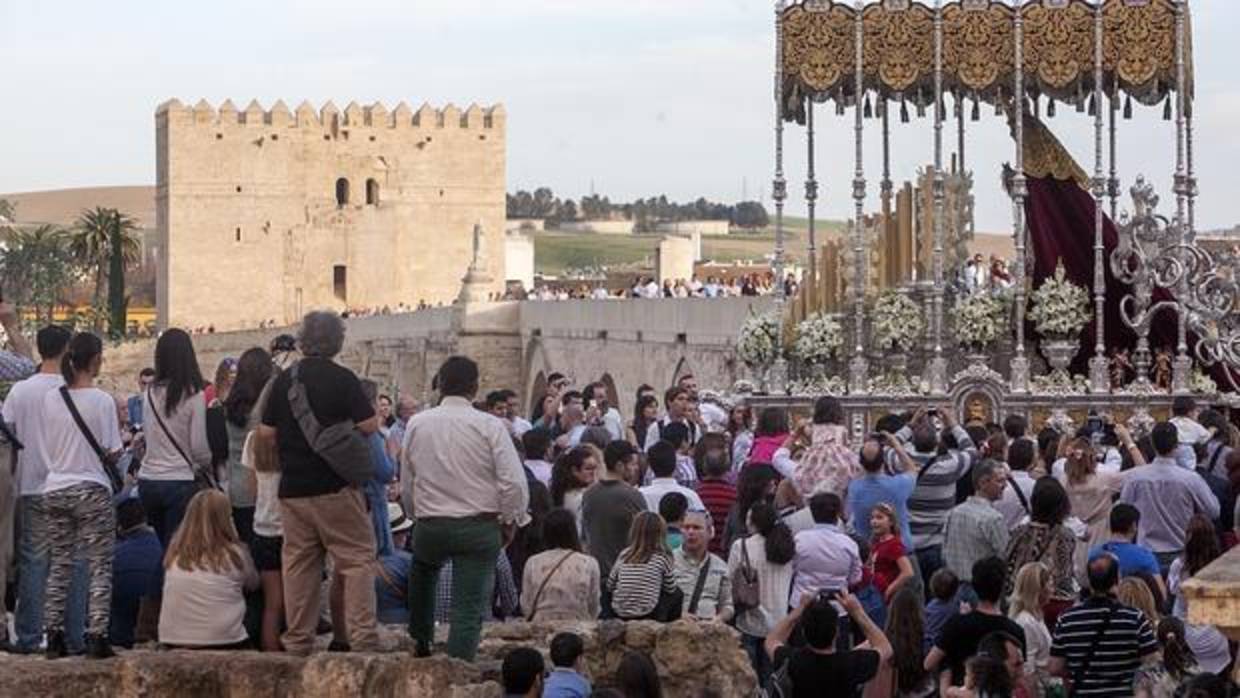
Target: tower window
372, 193
238, 234
342, 191
340, 284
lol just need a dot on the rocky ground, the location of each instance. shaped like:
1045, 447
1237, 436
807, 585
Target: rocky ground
690, 657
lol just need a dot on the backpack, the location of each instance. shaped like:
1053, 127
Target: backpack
341, 445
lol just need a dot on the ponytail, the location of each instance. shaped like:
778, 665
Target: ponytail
82, 351
1177, 655
780, 546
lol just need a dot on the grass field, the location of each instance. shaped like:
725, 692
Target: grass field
554, 253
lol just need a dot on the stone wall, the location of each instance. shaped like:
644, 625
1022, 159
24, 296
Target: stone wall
689, 657
623, 342
264, 214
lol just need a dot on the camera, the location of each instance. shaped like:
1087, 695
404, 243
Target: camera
828, 594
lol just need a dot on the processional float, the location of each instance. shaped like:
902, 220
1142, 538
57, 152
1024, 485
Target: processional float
1027, 59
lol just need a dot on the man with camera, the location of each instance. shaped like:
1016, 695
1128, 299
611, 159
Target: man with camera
811, 669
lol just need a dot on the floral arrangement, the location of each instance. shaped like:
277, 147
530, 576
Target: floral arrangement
819, 337
759, 339
980, 319
1060, 307
898, 321
1200, 382
818, 386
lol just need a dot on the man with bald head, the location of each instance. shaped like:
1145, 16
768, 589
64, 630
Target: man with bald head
876, 487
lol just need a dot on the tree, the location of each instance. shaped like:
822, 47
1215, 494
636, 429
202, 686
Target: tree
91, 244
8, 211
37, 268
116, 283
750, 214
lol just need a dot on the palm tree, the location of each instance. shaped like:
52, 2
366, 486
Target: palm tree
91, 243
37, 269
8, 211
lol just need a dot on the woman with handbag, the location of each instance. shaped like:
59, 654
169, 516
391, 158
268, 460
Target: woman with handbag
83, 441
177, 451
762, 559
560, 583
641, 584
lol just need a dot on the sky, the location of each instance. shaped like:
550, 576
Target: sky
632, 98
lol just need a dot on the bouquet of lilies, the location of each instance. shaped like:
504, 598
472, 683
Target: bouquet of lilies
819, 337
898, 321
1060, 307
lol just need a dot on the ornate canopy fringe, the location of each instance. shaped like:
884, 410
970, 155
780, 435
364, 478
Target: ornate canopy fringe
819, 50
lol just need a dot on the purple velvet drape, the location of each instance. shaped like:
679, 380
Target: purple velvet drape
1060, 216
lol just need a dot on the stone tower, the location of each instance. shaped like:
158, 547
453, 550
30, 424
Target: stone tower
266, 214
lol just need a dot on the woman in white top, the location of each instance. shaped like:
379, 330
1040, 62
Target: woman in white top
77, 494
1030, 593
206, 572
561, 583
261, 470
175, 425
768, 550
572, 473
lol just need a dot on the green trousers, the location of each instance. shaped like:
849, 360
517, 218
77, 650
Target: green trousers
472, 545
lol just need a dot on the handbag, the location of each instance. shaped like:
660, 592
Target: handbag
106, 460
538, 595
203, 477
340, 445
746, 591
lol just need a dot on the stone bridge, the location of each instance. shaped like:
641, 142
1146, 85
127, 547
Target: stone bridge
624, 343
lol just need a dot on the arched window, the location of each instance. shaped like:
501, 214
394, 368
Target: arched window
372, 193
342, 191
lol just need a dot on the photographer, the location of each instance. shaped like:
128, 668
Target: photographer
818, 664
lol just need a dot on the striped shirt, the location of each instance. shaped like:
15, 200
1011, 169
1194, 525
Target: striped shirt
935, 492
635, 586
1113, 652
718, 496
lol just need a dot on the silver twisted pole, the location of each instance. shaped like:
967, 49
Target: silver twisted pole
1020, 362
938, 365
858, 368
1099, 376
779, 192
811, 197
1183, 364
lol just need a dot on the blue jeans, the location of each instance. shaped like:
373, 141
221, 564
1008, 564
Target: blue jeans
32, 569
754, 647
165, 502
929, 560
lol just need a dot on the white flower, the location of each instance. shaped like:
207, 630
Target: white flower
1200, 382
898, 321
981, 318
1060, 307
819, 337
759, 336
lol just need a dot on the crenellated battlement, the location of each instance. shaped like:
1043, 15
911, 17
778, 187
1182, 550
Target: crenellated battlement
376, 115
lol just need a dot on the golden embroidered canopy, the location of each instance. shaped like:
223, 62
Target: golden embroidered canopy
898, 50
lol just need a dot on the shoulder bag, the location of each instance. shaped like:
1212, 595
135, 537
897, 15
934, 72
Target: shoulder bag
106, 460
9, 446
203, 477
1078, 675
341, 445
671, 603
538, 595
746, 591
700, 586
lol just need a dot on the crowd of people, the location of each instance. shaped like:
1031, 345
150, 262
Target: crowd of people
287, 505
746, 285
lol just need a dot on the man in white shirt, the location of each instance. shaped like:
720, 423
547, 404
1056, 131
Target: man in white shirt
537, 446
662, 459
679, 403
463, 482
23, 413
826, 558
1014, 504
1188, 429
